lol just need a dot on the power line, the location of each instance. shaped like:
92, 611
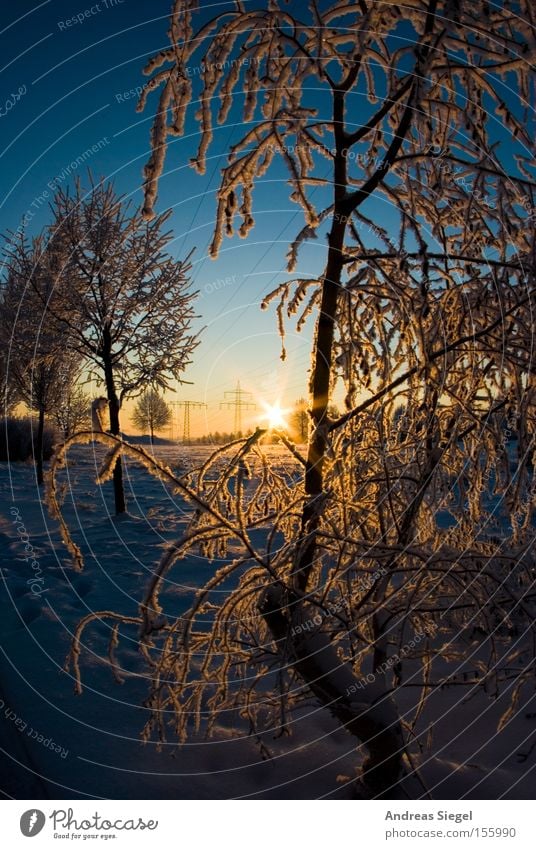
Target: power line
239, 399
187, 406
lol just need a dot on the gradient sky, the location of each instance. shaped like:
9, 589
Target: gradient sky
77, 90
78, 81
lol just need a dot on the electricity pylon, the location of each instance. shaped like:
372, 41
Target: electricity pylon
187, 406
238, 399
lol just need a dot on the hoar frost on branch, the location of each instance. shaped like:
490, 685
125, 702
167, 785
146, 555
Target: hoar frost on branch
39, 366
124, 303
427, 321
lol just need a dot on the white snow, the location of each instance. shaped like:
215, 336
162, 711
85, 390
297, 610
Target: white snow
41, 718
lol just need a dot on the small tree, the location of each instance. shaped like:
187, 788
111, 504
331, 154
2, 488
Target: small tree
151, 413
126, 303
299, 420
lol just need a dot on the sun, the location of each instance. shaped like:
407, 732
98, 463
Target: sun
274, 416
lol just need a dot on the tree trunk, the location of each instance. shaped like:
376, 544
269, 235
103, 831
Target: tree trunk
119, 491
363, 707
365, 710
115, 430
372, 716
39, 446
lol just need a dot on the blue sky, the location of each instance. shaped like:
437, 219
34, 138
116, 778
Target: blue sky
76, 82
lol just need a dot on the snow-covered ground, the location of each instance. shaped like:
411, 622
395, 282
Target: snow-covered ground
58, 745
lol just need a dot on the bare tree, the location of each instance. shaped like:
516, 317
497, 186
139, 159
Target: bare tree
39, 364
394, 547
151, 413
8, 388
73, 411
127, 303
299, 420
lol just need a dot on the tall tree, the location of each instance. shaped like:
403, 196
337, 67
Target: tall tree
386, 118
127, 302
9, 394
151, 413
73, 412
39, 363
417, 308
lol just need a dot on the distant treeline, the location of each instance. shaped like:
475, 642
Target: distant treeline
218, 438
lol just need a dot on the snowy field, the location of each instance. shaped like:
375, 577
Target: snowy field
59, 745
